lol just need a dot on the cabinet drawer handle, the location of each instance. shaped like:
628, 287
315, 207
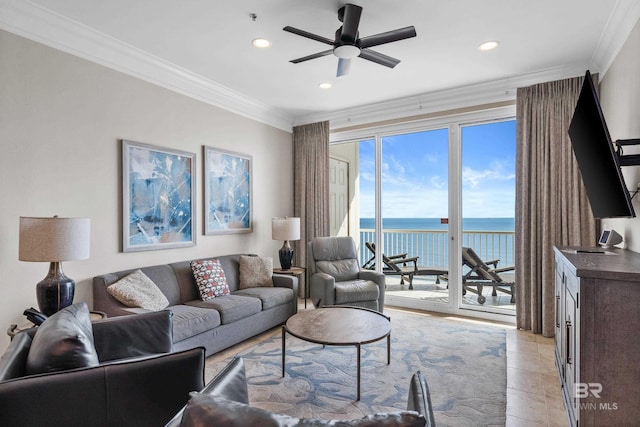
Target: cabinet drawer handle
557, 310
568, 348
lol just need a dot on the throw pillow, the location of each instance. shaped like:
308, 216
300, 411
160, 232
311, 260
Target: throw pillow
137, 290
205, 410
210, 278
63, 341
255, 272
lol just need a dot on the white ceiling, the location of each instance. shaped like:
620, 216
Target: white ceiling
203, 47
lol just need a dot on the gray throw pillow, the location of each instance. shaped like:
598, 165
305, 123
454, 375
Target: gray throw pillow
64, 341
255, 272
137, 290
204, 410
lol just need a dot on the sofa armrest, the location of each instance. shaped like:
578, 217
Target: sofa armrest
286, 281
374, 276
379, 279
420, 398
230, 383
102, 300
322, 289
139, 393
133, 335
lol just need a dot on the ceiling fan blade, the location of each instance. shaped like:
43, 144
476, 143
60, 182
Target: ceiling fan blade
388, 37
350, 22
308, 35
343, 67
314, 56
379, 58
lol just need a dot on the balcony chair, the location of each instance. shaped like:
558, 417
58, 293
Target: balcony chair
480, 275
335, 277
402, 265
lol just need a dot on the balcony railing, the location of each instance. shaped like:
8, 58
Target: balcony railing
432, 246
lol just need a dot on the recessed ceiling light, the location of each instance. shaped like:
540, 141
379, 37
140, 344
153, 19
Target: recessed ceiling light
261, 43
489, 45
325, 85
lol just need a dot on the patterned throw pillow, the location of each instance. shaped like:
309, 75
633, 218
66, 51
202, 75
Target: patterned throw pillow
210, 278
255, 272
137, 290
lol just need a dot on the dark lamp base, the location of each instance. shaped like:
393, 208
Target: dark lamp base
286, 255
55, 291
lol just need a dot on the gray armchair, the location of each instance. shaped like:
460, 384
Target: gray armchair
335, 277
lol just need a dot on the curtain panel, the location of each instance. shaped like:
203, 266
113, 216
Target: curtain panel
311, 183
551, 203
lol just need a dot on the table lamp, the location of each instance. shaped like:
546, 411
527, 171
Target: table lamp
285, 229
54, 240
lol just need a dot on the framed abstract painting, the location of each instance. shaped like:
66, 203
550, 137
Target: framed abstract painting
158, 197
227, 192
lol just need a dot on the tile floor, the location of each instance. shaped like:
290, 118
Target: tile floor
533, 389
534, 397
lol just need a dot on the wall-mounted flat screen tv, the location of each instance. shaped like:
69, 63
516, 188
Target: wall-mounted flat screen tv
596, 157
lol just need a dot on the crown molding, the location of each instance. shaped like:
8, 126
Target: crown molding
625, 15
39, 24
449, 99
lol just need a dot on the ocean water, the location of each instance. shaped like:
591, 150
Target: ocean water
432, 248
468, 224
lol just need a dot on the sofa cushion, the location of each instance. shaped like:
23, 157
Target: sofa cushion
356, 290
270, 297
205, 410
255, 272
137, 290
210, 278
231, 307
63, 341
14, 361
189, 321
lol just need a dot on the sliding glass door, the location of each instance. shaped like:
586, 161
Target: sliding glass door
414, 202
488, 215
424, 196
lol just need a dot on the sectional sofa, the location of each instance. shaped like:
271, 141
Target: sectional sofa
214, 324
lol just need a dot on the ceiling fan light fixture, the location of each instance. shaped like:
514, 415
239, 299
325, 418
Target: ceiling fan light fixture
261, 43
325, 85
489, 45
346, 51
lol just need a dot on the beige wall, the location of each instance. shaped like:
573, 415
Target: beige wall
620, 97
61, 120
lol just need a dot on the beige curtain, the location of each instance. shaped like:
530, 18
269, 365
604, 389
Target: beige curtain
551, 203
311, 183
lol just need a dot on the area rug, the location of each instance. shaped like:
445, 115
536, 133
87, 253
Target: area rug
464, 364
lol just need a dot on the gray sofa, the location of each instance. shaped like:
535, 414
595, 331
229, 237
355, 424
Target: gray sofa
215, 324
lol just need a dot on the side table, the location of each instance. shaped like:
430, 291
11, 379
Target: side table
298, 272
15, 328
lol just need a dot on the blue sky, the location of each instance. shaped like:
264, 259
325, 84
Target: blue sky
415, 168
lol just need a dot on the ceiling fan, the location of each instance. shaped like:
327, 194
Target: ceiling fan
348, 45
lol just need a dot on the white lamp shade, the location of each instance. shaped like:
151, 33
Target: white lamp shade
54, 239
285, 228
